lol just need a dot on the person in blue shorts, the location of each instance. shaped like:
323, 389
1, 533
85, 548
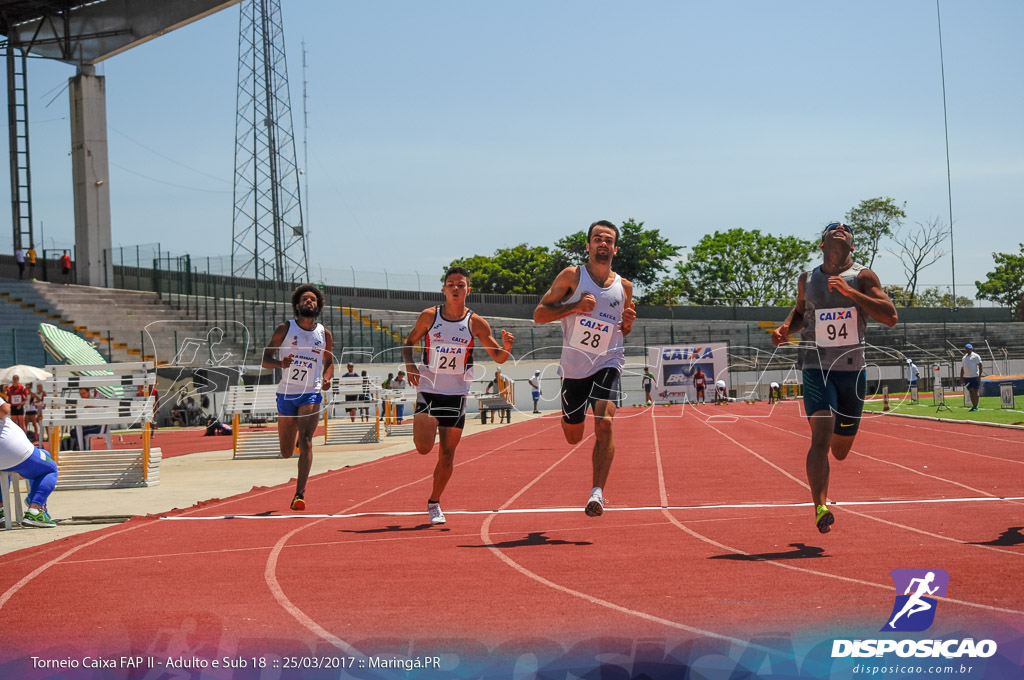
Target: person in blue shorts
301, 348
18, 454
834, 301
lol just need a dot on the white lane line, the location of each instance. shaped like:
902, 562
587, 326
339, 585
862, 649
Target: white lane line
881, 586
485, 535
277, 590
642, 508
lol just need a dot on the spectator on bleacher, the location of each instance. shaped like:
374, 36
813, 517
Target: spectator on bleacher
399, 384
18, 454
971, 372
19, 257
350, 372
65, 267
30, 255
17, 395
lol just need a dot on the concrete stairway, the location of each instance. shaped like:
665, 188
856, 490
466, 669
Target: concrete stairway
124, 325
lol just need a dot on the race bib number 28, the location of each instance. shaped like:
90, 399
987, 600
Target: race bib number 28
836, 327
590, 335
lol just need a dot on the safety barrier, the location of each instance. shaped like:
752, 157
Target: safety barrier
104, 469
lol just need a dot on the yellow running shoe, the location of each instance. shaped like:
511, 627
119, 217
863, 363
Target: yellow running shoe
823, 519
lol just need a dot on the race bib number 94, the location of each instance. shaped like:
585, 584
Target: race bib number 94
590, 335
836, 327
448, 359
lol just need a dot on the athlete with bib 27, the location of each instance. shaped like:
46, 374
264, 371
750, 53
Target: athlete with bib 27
595, 306
304, 348
832, 305
443, 375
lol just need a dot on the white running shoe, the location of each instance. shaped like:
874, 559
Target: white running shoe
436, 516
595, 506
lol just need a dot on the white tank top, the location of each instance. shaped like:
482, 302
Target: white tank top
591, 342
15, 447
445, 367
306, 348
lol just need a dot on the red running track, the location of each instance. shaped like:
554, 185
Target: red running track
701, 540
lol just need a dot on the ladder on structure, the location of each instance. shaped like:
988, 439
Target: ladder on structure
21, 175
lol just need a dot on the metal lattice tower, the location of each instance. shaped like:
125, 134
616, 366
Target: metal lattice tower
21, 174
268, 237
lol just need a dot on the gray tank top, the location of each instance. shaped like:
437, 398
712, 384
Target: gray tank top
833, 333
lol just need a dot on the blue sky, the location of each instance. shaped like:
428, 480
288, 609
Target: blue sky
443, 129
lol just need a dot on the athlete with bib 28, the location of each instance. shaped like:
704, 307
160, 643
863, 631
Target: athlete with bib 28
304, 349
595, 306
832, 305
443, 375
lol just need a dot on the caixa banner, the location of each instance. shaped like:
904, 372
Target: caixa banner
681, 370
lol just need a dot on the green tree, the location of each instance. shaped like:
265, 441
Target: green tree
872, 220
936, 297
521, 269
745, 267
1005, 285
643, 253
669, 291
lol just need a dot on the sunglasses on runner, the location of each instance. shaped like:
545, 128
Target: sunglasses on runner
838, 225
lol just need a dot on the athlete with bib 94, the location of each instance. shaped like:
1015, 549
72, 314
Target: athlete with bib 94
832, 305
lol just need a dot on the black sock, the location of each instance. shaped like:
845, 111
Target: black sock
431, 501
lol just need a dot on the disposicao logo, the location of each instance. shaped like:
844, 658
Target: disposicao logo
914, 611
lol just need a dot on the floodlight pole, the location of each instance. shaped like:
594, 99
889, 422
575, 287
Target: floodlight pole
949, 181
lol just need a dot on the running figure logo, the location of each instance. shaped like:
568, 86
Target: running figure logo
914, 610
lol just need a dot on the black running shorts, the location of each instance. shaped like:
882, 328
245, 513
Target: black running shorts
579, 393
448, 409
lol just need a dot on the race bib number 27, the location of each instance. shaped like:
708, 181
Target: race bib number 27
836, 327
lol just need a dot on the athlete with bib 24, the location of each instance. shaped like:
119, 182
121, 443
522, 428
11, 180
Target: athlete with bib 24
443, 375
832, 305
595, 306
304, 348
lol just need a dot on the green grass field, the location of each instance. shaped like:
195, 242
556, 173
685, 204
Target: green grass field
988, 409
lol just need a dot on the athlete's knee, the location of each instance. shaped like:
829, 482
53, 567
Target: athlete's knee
423, 448
603, 428
573, 433
840, 450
